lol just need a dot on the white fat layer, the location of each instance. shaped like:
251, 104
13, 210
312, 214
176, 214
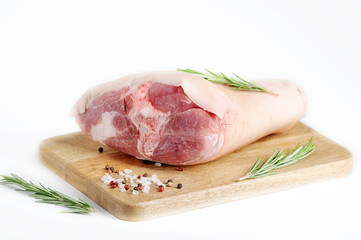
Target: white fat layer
203, 93
104, 129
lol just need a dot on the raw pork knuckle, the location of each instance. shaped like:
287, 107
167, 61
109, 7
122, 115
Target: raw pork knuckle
178, 118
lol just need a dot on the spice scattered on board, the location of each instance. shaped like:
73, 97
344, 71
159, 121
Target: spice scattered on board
139, 182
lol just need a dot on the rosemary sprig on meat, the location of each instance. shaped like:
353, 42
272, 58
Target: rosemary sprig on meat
48, 195
277, 160
234, 81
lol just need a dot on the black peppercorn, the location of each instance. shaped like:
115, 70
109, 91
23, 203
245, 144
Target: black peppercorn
145, 175
139, 184
179, 186
111, 169
100, 149
169, 180
116, 183
136, 188
107, 167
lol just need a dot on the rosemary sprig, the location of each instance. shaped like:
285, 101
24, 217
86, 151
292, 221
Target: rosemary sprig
277, 160
235, 81
48, 195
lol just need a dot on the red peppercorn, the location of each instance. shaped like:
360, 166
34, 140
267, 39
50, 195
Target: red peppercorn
109, 171
116, 170
114, 186
139, 176
111, 183
126, 187
161, 189
140, 188
180, 168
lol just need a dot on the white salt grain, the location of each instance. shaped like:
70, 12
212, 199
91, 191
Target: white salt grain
157, 164
127, 171
107, 178
135, 192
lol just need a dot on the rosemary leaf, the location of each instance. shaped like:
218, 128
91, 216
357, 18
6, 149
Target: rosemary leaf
47, 195
277, 160
235, 81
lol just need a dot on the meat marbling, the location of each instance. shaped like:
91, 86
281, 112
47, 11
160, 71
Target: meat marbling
182, 119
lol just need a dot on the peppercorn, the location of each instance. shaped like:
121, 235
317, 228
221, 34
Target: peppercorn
107, 167
126, 187
109, 171
180, 168
114, 186
139, 176
100, 149
123, 182
136, 188
169, 183
145, 175
116, 170
139, 184
111, 183
161, 188
140, 188
116, 183
112, 169
179, 186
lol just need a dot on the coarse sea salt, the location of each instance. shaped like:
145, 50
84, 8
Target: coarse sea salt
157, 164
135, 192
133, 181
107, 178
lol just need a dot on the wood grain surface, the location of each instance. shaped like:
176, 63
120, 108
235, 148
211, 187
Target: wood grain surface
75, 158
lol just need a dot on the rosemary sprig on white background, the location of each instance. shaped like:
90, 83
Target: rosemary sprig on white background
48, 195
235, 81
277, 160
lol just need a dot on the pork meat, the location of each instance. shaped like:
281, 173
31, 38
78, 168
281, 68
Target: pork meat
182, 119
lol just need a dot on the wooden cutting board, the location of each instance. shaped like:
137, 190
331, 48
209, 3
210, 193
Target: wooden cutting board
76, 159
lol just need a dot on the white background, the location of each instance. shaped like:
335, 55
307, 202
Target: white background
52, 51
